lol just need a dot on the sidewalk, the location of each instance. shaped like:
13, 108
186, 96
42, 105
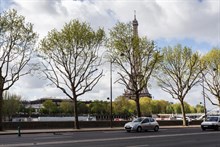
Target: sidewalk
57, 131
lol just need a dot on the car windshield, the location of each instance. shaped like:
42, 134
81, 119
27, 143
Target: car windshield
138, 120
212, 119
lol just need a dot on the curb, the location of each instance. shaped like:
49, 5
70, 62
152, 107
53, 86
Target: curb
59, 131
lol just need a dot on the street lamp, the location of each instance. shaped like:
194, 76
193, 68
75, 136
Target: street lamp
111, 93
111, 61
203, 93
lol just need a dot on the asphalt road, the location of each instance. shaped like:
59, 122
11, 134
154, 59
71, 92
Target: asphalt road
175, 137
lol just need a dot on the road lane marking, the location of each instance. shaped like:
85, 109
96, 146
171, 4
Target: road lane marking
144, 145
112, 132
103, 139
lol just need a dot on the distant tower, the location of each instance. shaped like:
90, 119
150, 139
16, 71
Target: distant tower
135, 25
144, 92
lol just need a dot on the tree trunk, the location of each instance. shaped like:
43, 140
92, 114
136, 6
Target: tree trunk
1, 110
1, 101
218, 99
183, 113
76, 122
138, 105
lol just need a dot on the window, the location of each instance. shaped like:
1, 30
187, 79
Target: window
138, 120
212, 118
151, 120
146, 120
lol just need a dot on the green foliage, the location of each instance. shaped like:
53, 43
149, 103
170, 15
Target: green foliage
99, 107
211, 75
170, 109
76, 38
126, 106
192, 109
121, 37
145, 104
17, 40
72, 56
177, 108
187, 107
49, 107
11, 105
180, 66
161, 106
212, 59
82, 108
21, 33
123, 106
199, 108
66, 107
179, 71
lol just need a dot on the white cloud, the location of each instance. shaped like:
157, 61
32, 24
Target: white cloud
169, 20
157, 19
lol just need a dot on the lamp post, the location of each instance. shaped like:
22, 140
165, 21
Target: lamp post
203, 92
111, 93
111, 62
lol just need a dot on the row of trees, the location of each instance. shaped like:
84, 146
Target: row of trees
71, 61
13, 106
148, 107
121, 107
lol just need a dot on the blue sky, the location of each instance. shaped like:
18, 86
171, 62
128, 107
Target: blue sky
197, 46
192, 23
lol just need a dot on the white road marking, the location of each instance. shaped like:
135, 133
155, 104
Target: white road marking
103, 139
144, 145
112, 132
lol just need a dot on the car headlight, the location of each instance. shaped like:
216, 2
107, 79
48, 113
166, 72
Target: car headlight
128, 125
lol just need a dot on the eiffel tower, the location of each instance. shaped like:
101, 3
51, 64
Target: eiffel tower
144, 92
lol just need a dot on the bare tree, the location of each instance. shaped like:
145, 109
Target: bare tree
17, 41
179, 72
211, 75
71, 59
135, 57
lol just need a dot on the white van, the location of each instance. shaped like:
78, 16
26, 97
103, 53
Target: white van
211, 122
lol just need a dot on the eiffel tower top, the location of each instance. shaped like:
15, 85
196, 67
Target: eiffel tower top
135, 24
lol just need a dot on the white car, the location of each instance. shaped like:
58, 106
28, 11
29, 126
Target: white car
142, 124
211, 122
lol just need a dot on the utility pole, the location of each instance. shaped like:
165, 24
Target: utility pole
203, 92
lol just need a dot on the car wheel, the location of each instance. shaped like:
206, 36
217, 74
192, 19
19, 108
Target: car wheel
203, 128
139, 129
128, 130
156, 128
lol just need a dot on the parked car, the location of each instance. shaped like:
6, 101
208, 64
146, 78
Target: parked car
142, 124
211, 122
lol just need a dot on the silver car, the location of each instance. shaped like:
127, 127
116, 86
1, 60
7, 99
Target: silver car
211, 122
142, 124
